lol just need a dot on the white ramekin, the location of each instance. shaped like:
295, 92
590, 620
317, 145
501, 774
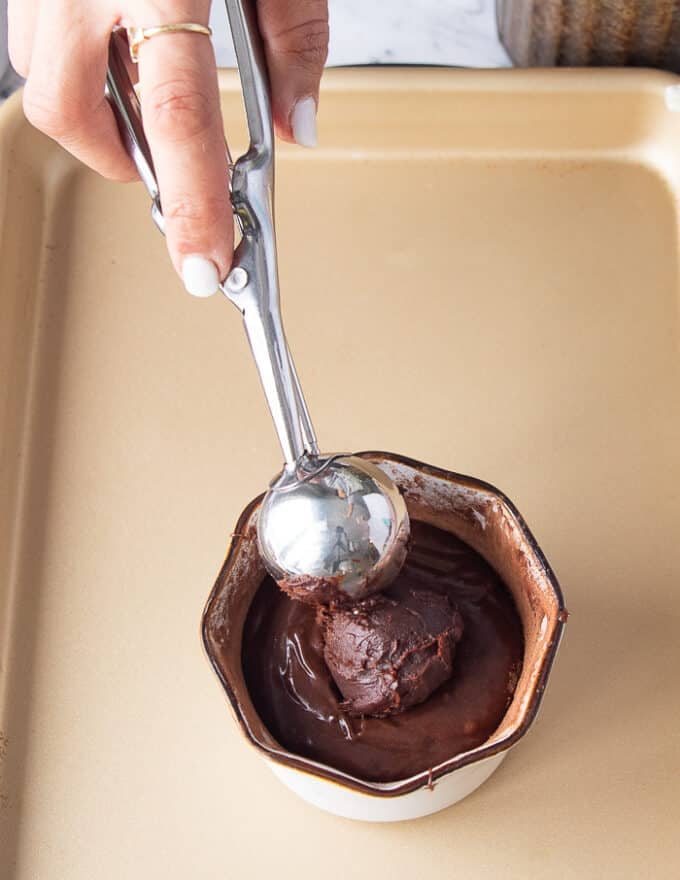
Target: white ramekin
483, 517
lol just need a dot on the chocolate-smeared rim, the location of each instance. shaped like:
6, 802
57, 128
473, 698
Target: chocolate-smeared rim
403, 786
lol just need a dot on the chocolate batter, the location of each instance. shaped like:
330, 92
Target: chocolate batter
297, 699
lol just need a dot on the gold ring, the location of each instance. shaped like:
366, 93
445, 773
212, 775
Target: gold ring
137, 35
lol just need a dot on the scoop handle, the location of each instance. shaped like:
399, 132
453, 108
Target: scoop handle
253, 283
125, 104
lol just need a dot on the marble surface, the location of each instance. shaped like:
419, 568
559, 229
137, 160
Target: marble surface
451, 32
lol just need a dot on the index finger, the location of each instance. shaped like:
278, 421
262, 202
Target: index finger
183, 124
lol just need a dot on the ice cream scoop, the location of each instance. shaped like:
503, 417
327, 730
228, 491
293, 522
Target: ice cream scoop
330, 526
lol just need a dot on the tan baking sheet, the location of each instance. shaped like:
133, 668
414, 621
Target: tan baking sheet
480, 270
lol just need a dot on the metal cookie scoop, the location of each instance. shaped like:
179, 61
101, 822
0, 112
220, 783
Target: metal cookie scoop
331, 528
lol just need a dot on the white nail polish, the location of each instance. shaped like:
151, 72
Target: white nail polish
672, 95
303, 122
200, 275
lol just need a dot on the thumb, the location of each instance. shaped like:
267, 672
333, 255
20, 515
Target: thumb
295, 34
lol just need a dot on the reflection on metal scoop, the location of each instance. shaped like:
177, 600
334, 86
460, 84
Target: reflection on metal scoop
330, 529
335, 533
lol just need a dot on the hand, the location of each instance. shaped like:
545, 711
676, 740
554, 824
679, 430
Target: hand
61, 47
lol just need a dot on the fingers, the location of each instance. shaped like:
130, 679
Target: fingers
64, 93
183, 124
295, 35
21, 16
64, 97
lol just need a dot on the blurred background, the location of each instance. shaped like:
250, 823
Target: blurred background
475, 33
452, 32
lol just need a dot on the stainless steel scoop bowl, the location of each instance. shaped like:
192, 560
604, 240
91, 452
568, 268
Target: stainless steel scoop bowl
331, 528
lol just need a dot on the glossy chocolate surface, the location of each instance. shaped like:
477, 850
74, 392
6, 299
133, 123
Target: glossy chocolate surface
298, 701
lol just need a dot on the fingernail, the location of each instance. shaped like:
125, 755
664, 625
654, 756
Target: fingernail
303, 122
200, 275
672, 95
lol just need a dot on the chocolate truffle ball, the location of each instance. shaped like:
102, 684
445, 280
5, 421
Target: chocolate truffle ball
391, 652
